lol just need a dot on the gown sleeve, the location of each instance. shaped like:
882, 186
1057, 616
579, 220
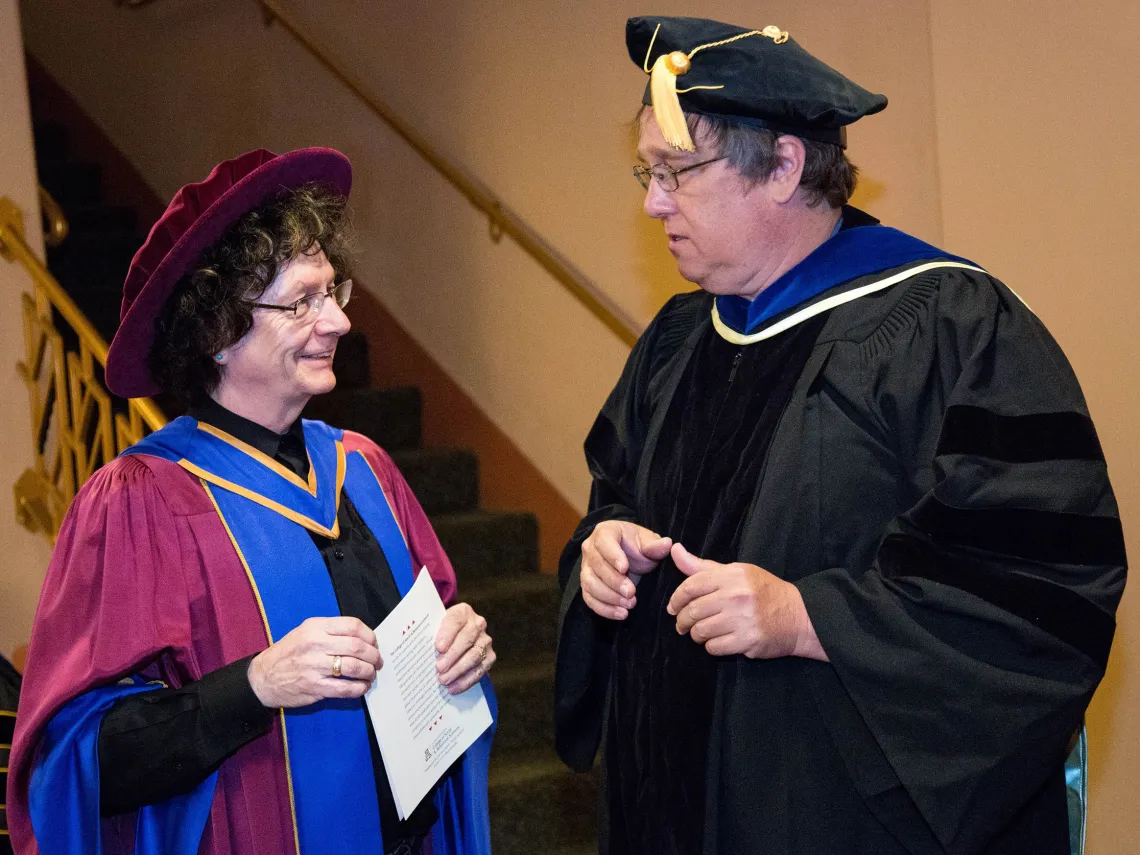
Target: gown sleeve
613, 453
114, 604
973, 643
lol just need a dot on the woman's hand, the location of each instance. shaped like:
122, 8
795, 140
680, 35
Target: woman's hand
464, 648
299, 669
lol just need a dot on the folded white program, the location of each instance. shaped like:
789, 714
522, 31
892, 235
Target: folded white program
421, 729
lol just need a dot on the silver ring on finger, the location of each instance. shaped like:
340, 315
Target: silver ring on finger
336, 666
482, 654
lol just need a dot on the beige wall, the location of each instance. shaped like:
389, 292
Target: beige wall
535, 101
25, 556
1037, 131
1002, 142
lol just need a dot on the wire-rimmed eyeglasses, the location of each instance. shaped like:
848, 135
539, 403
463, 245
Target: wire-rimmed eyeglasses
310, 306
664, 174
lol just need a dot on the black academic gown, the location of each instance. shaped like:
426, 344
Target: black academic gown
936, 491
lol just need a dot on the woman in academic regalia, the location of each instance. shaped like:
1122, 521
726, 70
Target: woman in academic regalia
204, 638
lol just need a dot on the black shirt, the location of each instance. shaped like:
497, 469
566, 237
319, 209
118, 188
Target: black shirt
162, 743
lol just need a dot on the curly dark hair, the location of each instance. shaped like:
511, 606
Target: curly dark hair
209, 309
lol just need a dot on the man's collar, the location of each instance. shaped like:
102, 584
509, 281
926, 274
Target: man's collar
853, 218
860, 248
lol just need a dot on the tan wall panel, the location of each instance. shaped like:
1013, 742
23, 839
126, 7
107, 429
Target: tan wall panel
1037, 130
25, 556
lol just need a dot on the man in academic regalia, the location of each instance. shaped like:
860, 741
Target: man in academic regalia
848, 576
203, 641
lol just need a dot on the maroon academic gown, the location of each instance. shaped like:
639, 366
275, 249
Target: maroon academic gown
145, 580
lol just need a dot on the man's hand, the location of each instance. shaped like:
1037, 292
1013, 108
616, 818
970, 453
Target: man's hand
741, 609
464, 648
298, 669
614, 557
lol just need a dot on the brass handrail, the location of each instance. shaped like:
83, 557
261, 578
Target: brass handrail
57, 228
73, 428
503, 220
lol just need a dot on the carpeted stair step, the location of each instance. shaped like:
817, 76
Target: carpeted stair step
351, 362
540, 805
445, 480
389, 417
522, 615
71, 183
526, 709
486, 545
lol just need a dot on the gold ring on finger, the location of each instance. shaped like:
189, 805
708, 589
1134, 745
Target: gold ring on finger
482, 653
336, 666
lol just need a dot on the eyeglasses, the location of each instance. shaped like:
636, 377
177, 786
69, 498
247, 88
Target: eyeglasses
664, 174
310, 307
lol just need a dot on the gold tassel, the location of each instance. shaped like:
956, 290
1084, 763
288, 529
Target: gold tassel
663, 84
666, 105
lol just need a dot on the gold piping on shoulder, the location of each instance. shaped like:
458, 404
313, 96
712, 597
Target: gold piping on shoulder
264, 459
341, 473
301, 520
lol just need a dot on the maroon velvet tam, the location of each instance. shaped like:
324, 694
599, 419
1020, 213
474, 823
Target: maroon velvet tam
198, 215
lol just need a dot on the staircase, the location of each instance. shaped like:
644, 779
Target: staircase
537, 805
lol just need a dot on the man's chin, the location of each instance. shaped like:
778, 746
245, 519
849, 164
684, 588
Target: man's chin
690, 274
711, 286
717, 286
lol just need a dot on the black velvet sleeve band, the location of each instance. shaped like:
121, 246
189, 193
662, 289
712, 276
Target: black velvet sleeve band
1019, 439
1056, 538
1061, 612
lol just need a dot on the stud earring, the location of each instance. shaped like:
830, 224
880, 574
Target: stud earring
219, 357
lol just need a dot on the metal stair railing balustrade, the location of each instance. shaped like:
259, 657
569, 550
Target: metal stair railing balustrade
74, 427
502, 219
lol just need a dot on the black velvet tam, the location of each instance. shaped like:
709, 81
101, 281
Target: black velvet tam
768, 81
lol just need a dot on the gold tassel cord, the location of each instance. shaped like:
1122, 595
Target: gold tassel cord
663, 84
666, 106
649, 50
